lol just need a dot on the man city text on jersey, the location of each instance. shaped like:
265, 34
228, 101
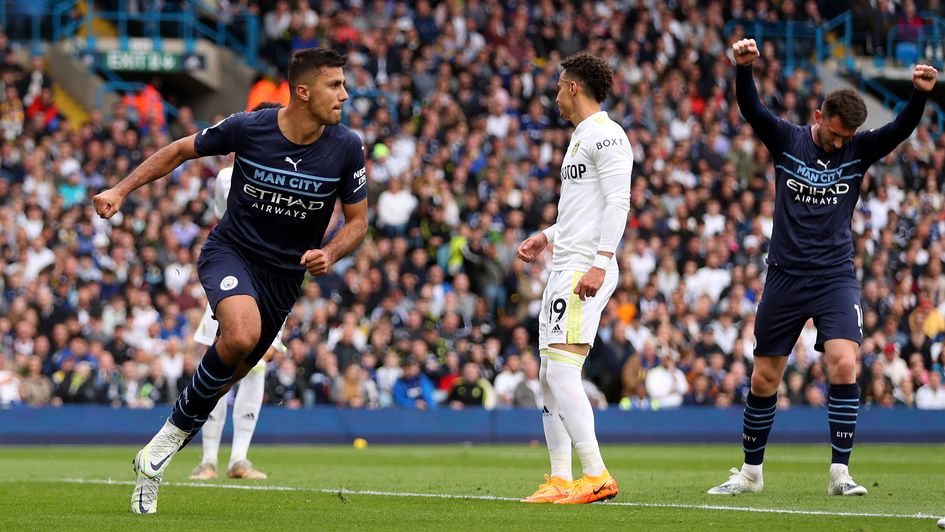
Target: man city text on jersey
818, 187
283, 194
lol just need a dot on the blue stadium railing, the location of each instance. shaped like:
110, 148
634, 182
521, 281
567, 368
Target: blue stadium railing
797, 37
44, 20
808, 45
56, 20
928, 43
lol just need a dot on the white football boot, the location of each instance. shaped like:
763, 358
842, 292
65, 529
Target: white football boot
738, 483
841, 483
149, 466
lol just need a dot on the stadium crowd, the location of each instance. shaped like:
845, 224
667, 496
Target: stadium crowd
464, 146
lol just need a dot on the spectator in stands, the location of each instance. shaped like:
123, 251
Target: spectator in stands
932, 395
527, 392
12, 114
507, 381
413, 389
354, 390
394, 208
470, 390
77, 384
666, 383
698, 394
386, 377
36, 389
10, 384
284, 386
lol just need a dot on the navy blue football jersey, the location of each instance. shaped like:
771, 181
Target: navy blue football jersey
283, 194
816, 191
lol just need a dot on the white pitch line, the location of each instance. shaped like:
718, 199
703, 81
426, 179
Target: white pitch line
488, 498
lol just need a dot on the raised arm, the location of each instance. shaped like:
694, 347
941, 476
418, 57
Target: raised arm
877, 143
763, 121
153, 168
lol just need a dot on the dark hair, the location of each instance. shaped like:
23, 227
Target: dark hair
847, 105
592, 73
309, 61
266, 105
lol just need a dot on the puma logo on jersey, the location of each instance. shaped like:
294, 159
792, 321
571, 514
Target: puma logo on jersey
295, 164
824, 164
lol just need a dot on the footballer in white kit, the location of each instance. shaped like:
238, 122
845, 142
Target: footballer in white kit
247, 402
597, 164
592, 216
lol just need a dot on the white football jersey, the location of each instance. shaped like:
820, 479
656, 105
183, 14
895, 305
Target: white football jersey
596, 166
221, 189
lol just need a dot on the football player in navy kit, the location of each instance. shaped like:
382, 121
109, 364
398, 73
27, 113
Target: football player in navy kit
818, 170
290, 166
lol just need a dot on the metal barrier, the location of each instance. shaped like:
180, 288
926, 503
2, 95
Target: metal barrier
933, 36
29, 13
794, 35
186, 25
49, 20
927, 44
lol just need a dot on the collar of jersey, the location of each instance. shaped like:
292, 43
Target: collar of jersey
589, 119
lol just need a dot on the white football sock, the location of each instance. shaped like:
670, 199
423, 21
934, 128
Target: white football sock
556, 436
246, 408
752, 471
212, 432
564, 379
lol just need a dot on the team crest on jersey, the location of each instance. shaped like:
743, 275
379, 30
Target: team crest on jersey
574, 150
228, 283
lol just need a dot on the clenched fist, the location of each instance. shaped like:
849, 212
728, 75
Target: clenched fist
316, 261
745, 51
923, 77
108, 203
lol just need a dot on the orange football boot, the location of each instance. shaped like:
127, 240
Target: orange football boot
553, 489
591, 489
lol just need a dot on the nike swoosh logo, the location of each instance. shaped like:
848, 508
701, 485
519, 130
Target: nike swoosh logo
141, 503
155, 467
601, 488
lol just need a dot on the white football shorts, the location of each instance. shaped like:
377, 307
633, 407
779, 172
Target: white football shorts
564, 318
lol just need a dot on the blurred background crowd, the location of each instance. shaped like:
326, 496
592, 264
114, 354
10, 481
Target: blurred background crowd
464, 146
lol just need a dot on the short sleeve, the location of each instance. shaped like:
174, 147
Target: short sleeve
353, 185
220, 138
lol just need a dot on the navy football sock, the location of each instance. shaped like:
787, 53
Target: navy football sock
843, 403
197, 400
759, 417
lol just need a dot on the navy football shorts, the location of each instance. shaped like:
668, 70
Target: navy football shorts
225, 272
788, 301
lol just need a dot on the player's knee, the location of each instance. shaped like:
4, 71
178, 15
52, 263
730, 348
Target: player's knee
240, 341
843, 369
764, 384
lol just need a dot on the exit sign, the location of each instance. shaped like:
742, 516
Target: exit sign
149, 61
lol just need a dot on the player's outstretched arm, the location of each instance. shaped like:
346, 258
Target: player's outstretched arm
876, 144
765, 124
108, 202
318, 261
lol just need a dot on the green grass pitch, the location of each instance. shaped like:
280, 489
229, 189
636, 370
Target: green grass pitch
662, 487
